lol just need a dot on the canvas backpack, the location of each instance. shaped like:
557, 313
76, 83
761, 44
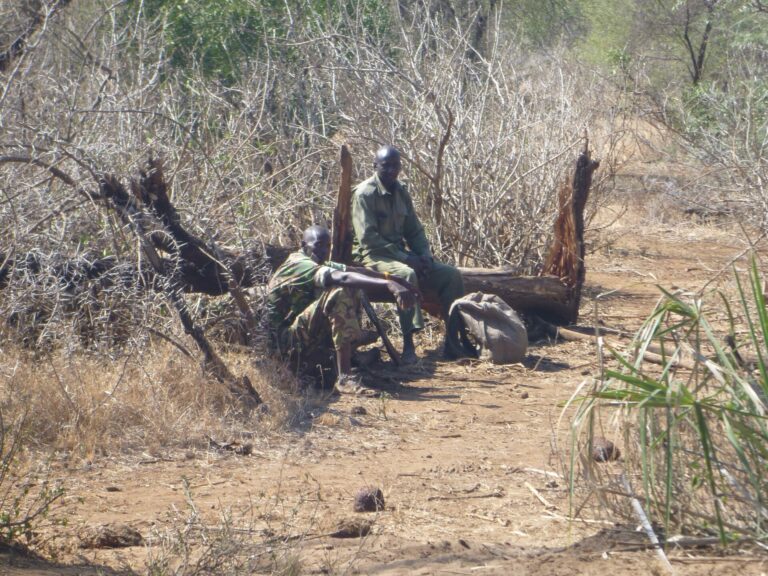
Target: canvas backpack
494, 326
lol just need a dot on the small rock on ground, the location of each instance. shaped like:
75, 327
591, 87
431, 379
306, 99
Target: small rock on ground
110, 536
369, 499
604, 450
352, 528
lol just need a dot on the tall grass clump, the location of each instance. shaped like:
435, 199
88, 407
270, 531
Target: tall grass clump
694, 424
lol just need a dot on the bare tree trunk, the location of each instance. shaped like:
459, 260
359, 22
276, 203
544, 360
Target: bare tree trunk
341, 250
566, 255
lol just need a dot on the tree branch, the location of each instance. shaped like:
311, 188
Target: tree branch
16, 48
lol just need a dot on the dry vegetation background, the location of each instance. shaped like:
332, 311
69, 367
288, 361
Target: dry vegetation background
247, 103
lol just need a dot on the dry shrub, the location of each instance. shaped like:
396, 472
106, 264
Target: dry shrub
152, 397
488, 136
29, 499
232, 542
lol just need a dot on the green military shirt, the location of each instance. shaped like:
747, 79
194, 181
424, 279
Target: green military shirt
293, 287
385, 222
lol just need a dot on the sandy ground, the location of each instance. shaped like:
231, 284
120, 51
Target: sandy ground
469, 458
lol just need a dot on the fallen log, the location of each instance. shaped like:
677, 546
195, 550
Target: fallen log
150, 188
544, 296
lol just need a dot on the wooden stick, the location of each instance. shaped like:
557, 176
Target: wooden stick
470, 497
542, 472
379, 328
654, 358
555, 516
646, 524
548, 505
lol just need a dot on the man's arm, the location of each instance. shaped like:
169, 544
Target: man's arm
383, 275
404, 296
366, 228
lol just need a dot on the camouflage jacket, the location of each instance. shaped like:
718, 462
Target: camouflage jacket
294, 286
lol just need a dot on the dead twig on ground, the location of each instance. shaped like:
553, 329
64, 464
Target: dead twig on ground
496, 494
646, 524
547, 504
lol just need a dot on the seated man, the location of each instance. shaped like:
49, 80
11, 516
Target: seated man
312, 306
389, 238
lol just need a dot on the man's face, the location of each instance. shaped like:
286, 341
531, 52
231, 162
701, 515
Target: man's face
317, 245
388, 169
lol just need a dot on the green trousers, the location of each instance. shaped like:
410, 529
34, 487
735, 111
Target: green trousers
442, 278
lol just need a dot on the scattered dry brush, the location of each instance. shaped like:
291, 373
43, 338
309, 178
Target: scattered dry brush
487, 133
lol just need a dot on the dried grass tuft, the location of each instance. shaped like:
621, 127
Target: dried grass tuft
148, 398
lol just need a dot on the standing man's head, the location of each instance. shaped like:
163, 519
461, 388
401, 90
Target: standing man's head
316, 243
387, 165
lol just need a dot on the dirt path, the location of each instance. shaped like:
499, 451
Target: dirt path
458, 451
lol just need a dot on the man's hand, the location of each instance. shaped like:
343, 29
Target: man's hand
405, 297
415, 262
422, 265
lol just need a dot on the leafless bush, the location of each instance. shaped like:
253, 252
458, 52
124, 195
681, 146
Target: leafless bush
229, 544
27, 495
98, 303
488, 136
707, 90
488, 133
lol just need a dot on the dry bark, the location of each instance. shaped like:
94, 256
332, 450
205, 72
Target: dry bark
341, 248
566, 255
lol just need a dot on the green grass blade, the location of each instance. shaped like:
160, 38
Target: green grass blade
706, 446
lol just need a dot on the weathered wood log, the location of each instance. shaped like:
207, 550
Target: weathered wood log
544, 296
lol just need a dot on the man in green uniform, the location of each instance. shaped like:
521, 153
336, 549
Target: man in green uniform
312, 306
389, 238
